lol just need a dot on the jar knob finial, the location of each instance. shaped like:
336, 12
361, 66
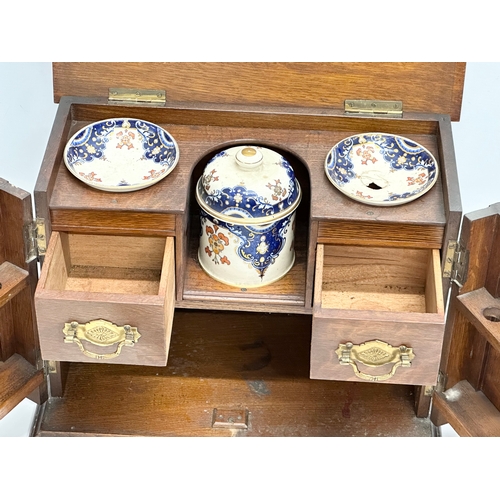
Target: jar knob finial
249, 158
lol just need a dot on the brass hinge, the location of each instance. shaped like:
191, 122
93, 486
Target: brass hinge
50, 367
372, 107
456, 265
143, 96
35, 242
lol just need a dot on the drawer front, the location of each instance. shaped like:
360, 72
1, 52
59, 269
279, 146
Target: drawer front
102, 322
116, 312
385, 361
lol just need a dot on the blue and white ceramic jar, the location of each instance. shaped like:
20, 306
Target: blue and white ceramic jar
248, 197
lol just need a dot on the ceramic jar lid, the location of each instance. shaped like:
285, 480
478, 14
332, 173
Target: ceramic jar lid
248, 182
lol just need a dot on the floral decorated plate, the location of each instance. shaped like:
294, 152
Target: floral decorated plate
381, 169
121, 154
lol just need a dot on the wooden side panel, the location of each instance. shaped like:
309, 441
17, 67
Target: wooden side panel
492, 282
478, 235
424, 87
471, 351
451, 190
18, 332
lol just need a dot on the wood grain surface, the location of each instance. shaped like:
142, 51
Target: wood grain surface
470, 412
295, 108
233, 362
396, 329
424, 87
122, 279
18, 329
18, 379
471, 349
304, 138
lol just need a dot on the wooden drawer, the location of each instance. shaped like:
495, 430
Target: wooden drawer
385, 294
92, 286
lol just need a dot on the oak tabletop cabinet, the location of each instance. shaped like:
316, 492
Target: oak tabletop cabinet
122, 333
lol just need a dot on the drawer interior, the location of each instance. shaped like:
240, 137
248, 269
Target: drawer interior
106, 264
378, 279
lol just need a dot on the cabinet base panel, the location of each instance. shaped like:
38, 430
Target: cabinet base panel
228, 374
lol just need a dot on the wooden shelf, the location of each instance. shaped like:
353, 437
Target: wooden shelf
286, 295
12, 280
468, 411
474, 306
17, 379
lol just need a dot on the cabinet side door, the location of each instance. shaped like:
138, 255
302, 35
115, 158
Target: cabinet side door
21, 368
469, 398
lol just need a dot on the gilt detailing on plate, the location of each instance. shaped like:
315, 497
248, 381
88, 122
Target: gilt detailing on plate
381, 169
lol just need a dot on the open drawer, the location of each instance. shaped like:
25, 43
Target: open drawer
378, 314
103, 298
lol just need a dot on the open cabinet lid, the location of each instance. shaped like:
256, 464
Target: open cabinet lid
470, 365
21, 371
422, 87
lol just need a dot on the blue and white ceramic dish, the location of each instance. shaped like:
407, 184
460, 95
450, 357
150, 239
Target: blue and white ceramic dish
121, 154
381, 169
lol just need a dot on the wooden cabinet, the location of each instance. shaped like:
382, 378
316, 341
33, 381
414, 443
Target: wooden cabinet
210, 359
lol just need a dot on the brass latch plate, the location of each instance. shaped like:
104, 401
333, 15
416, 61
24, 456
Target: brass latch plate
456, 265
373, 107
143, 96
230, 418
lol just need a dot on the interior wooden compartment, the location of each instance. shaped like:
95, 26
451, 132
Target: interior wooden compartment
289, 290
106, 264
380, 279
200, 130
236, 363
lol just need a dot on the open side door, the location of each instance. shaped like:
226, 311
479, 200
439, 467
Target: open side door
21, 367
469, 396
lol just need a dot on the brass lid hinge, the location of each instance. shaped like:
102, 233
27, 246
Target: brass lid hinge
373, 107
35, 242
142, 96
50, 367
456, 265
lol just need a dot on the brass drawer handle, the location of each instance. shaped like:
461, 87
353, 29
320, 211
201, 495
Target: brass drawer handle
102, 333
374, 353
